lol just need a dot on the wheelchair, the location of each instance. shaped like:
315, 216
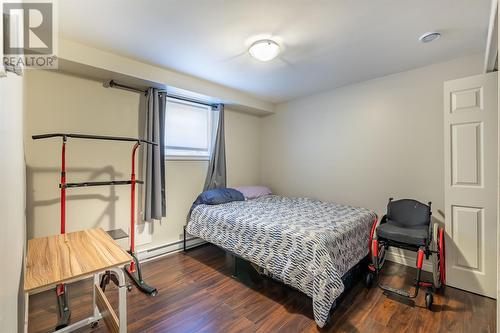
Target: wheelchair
408, 225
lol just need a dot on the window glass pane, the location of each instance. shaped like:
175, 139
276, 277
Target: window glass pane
188, 128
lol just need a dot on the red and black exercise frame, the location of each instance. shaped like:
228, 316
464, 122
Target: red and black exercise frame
133, 269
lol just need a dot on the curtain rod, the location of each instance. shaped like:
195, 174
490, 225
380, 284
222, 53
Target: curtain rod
114, 84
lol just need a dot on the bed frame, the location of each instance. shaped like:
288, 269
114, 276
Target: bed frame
349, 279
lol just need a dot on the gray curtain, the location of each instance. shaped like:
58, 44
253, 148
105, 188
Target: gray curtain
216, 174
154, 156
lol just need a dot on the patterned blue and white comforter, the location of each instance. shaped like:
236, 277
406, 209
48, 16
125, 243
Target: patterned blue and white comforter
307, 244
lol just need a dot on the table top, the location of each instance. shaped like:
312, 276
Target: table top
57, 259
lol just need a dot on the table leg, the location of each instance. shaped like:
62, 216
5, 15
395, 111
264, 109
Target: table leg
94, 305
26, 311
122, 298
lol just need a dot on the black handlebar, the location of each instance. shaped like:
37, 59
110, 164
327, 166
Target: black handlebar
91, 137
103, 183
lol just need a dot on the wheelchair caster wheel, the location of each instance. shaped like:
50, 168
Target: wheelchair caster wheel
94, 324
369, 280
428, 300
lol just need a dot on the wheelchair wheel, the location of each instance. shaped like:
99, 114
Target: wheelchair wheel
429, 299
381, 256
438, 257
369, 280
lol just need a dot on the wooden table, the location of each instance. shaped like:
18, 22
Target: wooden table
74, 256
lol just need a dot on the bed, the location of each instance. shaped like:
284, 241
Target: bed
305, 243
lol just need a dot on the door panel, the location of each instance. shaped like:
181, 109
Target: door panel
466, 154
467, 100
467, 234
471, 180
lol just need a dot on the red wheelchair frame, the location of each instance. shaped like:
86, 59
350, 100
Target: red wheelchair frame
377, 249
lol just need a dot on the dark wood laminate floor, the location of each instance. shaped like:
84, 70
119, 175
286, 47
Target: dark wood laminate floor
198, 294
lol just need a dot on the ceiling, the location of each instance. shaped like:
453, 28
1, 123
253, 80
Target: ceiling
326, 43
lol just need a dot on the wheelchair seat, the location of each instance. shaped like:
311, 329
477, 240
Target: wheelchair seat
391, 230
407, 221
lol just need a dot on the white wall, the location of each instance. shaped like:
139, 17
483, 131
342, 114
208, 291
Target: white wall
12, 203
364, 143
100, 60
65, 103
498, 212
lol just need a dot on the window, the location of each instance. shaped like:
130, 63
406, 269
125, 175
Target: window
189, 129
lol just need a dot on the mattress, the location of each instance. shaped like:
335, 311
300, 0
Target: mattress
305, 243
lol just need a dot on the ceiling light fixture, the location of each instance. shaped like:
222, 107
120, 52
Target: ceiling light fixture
429, 37
264, 49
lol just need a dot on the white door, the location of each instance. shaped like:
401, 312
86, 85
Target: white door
471, 181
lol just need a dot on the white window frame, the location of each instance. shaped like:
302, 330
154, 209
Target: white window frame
211, 128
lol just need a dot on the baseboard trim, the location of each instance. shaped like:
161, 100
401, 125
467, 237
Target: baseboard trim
407, 260
169, 248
